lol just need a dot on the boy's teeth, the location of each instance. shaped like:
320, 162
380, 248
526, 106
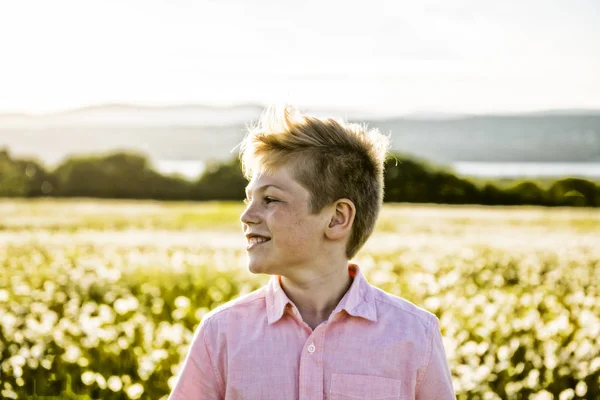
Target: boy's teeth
255, 240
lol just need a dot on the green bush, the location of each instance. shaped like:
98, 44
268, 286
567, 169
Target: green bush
221, 181
119, 175
23, 177
575, 192
407, 179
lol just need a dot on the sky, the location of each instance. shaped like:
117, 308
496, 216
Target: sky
382, 57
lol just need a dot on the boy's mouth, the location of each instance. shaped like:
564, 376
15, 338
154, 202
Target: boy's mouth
255, 241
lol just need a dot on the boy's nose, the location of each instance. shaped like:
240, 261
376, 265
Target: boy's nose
249, 216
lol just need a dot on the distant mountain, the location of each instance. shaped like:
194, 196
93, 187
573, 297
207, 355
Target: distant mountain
209, 115
134, 115
429, 115
433, 115
562, 112
199, 132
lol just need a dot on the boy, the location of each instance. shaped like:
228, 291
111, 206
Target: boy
318, 330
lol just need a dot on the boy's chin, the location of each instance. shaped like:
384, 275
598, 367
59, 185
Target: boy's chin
262, 267
257, 267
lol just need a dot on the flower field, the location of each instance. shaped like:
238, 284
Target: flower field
100, 299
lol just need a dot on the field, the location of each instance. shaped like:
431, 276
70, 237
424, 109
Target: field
99, 299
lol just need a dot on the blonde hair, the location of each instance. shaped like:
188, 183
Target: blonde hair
332, 160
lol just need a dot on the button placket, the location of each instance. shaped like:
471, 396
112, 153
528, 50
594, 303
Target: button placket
311, 367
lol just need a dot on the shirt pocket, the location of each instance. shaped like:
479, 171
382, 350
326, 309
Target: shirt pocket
366, 387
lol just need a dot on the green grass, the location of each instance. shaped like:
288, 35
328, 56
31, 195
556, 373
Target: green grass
101, 298
88, 214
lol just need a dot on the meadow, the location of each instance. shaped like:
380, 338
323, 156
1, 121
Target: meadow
100, 299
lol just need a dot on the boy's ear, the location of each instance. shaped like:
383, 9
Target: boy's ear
342, 218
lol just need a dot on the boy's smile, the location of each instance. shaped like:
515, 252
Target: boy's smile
255, 241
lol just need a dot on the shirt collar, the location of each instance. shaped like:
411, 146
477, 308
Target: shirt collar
357, 301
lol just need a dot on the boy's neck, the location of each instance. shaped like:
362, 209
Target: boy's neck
317, 296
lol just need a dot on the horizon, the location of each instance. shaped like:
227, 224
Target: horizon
418, 113
384, 58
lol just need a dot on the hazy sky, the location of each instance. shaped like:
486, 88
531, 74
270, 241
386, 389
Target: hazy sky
382, 56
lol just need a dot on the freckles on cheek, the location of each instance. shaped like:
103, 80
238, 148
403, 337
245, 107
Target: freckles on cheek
299, 241
294, 237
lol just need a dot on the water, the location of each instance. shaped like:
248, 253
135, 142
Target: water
527, 169
190, 169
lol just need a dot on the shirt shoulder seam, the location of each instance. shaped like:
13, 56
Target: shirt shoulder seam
425, 317
428, 351
216, 311
428, 320
210, 320
212, 364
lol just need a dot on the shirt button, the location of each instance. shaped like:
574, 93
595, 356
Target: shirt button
311, 348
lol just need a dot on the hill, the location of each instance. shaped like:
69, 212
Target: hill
199, 132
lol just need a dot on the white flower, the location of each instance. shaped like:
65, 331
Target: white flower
123, 306
114, 383
88, 377
135, 391
182, 302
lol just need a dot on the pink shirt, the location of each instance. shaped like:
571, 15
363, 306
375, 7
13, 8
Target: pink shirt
373, 346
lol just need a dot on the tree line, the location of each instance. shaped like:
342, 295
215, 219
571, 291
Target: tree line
127, 175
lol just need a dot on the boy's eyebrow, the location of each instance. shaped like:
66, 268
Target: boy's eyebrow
262, 188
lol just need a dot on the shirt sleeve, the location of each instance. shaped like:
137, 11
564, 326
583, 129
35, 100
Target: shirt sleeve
199, 379
437, 381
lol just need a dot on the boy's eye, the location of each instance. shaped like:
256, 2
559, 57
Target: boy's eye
266, 200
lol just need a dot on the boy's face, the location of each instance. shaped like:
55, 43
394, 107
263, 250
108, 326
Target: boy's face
278, 210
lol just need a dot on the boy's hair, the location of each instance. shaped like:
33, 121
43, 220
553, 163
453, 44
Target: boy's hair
331, 159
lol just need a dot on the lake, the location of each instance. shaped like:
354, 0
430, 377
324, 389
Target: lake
192, 169
527, 169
